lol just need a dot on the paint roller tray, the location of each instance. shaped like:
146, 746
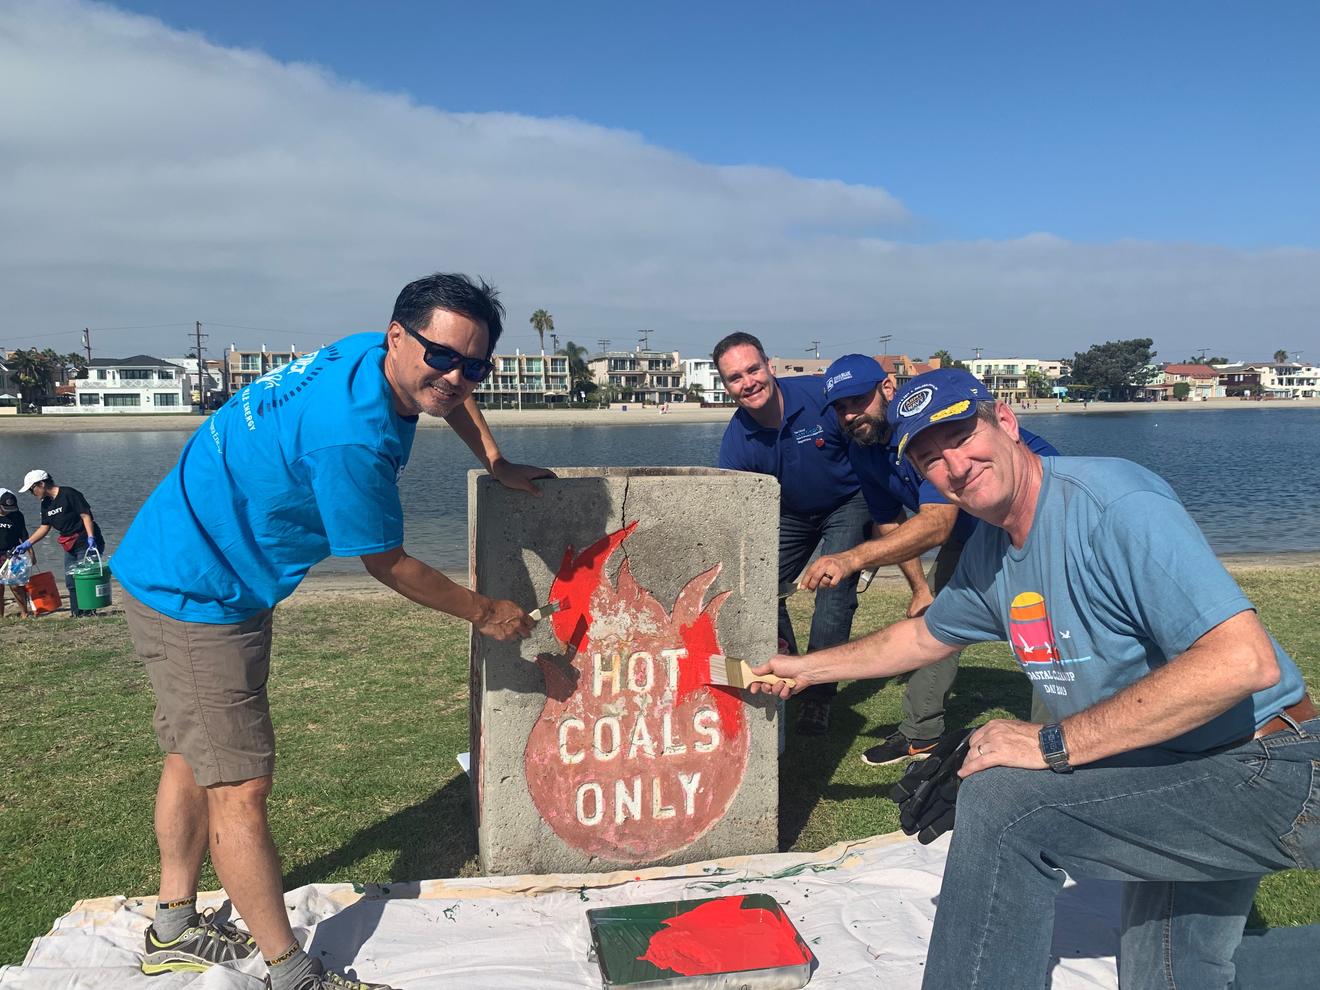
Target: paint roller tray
715, 942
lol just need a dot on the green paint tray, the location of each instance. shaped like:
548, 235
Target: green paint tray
714, 942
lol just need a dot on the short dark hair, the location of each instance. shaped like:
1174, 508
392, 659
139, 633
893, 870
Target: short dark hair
736, 339
456, 293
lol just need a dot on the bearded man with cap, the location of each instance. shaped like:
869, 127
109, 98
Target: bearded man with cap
1181, 758
860, 390
66, 511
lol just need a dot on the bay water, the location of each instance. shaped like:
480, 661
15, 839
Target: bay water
1250, 477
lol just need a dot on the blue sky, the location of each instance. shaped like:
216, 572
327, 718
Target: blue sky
1026, 178
1169, 121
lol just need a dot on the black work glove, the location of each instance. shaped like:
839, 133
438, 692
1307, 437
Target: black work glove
928, 790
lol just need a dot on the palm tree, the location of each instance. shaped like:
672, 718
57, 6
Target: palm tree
1280, 357
578, 372
544, 323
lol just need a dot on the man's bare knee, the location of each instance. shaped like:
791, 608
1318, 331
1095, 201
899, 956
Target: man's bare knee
242, 800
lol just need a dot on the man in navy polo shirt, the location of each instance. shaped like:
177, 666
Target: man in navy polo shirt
859, 390
784, 427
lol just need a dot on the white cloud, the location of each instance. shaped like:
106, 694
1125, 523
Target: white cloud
148, 176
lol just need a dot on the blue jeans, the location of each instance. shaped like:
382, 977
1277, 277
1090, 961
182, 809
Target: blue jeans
1191, 836
831, 622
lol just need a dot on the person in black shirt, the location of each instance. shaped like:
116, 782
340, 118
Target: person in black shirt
66, 511
13, 532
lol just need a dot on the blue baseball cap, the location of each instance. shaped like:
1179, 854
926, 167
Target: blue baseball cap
944, 395
852, 374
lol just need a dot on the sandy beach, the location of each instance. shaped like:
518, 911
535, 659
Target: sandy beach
633, 416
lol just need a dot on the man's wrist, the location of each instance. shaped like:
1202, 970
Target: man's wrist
1054, 747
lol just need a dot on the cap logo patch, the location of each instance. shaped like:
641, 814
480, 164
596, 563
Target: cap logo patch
913, 404
953, 410
842, 376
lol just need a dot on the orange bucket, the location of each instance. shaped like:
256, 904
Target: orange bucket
44, 592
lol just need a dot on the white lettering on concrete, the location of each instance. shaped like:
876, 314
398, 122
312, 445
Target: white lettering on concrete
602, 752
597, 800
669, 746
602, 673
707, 723
658, 808
646, 663
626, 801
564, 755
690, 784
641, 739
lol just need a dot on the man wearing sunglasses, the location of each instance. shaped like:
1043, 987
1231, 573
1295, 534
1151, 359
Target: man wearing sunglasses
300, 465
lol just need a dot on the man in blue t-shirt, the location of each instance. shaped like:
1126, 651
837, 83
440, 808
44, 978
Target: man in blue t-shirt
785, 428
1182, 752
300, 465
860, 391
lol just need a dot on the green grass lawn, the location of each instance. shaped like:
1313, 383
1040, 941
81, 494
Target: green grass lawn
370, 705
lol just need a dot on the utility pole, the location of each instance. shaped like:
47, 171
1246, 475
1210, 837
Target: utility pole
201, 368
884, 342
978, 352
645, 336
554, 341
603, 343
87, 343
815, 346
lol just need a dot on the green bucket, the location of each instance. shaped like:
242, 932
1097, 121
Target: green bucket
91, 583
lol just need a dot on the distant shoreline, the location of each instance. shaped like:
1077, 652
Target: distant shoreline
634, 416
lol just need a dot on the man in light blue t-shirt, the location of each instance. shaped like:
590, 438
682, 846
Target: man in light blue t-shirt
1180, 754
300, 465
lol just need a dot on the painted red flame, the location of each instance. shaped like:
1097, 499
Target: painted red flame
618, 623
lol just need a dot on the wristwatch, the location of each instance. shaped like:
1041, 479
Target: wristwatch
1054, 749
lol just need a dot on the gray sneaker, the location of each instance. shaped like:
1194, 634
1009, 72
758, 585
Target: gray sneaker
321, 980
200, 947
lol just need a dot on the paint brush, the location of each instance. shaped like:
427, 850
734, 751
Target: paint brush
732, 672
545, 611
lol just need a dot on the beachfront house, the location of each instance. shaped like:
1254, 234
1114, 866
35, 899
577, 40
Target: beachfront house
241, 368
521, 380
702, 373
794, 367
1202, 380
137, 384
1017, 379
643, 376
902, 369
1288, 380
1238, 381
9, 388
212, 380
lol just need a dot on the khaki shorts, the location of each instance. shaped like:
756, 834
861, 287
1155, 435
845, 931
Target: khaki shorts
210, 686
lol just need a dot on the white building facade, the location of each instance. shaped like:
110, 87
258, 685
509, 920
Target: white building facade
702, 373
138, 384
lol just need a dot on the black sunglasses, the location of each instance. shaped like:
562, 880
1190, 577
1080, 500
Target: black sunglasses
444, 358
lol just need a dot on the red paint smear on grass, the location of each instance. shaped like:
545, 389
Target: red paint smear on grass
720, 936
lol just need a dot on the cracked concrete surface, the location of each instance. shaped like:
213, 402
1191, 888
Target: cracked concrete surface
688, 521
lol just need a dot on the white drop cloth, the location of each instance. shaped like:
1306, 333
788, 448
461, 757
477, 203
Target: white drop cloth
865, 908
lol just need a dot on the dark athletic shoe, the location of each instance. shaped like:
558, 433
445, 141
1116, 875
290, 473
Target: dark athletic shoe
322, 980
813, 718
200, 947
898, 747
